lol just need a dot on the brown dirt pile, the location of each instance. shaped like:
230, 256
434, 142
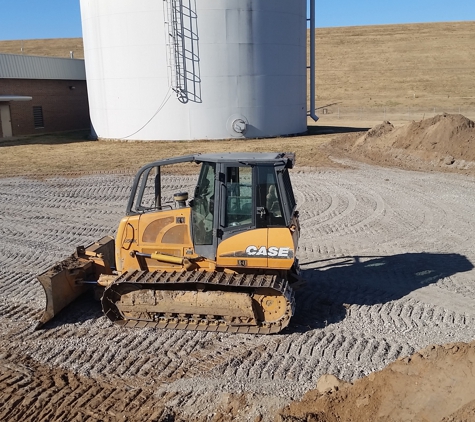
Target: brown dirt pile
446, 141
434, 384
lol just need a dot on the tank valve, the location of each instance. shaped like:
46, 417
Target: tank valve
239, 125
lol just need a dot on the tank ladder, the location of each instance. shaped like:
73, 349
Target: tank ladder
176, 50
311, 66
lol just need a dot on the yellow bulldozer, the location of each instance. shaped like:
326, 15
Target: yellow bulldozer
222, 261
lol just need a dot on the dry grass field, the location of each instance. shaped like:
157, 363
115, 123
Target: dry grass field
430, 64
73, 153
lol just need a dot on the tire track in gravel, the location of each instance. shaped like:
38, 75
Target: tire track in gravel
387, 256
31, 392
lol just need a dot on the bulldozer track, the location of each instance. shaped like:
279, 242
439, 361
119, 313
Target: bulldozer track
247, 283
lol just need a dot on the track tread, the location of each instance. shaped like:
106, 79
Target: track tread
238, 282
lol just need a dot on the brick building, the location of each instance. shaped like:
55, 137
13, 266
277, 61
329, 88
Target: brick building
42, 94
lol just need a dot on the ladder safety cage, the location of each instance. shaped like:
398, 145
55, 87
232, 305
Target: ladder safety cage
176, 48
311, 66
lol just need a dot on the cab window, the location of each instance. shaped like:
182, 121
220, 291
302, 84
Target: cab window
268, 198
239, 207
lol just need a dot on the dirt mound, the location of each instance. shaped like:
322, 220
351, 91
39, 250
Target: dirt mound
375, 132
434, 384
444, 141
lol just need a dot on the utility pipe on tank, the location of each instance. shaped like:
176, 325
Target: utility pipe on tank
312, 61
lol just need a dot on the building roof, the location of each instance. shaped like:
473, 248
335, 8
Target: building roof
14, 66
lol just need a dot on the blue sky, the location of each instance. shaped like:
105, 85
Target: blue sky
29, 19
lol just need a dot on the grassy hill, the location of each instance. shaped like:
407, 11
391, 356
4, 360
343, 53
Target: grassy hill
420, 65
55, 47
391, 65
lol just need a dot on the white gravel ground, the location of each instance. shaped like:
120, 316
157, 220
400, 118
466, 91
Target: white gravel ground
387, 255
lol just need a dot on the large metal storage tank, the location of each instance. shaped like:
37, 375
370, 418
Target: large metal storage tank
196, 69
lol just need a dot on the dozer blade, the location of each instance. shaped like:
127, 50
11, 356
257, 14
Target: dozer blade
68, 279
61, 287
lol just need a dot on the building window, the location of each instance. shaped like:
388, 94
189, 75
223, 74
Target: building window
38, 117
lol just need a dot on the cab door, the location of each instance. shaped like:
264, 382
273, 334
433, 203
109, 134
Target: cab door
203, 212
239, 238
238, 205
253, 226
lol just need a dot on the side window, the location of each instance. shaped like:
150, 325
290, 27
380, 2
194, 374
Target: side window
147, 198
203, 206
239, 210
268, 198
288, 190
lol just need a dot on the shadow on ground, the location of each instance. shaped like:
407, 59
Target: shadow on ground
334, 285
85, 136
84, 308
328, 130
48, 139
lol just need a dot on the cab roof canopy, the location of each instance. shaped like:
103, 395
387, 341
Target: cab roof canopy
249, 158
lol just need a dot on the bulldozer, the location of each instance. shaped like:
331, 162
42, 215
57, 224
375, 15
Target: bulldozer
223, 260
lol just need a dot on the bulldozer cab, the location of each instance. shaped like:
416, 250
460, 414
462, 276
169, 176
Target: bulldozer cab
235, 192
